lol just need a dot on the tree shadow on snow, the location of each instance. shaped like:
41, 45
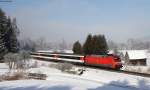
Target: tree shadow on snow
114, 85
118, 85
37, 88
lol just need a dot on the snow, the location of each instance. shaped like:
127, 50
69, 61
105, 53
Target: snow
3, 68
56, 85
91, 79
68, 51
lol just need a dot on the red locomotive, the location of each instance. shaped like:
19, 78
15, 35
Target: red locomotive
107, 60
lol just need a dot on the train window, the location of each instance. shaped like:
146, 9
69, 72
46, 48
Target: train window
70, 57
34, 54
100, 56
48, 55
116, 58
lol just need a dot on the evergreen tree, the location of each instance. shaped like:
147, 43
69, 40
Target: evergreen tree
95, 45
8, 35
11, 36
100, 44
77, 48
3, 30
87, 47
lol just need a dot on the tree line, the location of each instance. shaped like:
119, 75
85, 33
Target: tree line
130, 44
95, 44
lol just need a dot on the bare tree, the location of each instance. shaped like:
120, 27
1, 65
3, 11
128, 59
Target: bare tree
12, 60
25, 56
122, 46
27, 44
112, 45
63, 45
131, 44
17, 61
41, 44
9, 60
138, 44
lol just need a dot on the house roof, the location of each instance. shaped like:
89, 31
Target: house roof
136, 54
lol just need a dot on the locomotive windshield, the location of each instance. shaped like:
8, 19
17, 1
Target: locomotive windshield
116, 57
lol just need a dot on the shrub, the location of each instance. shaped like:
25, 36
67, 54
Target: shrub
14, 76
34, 65
65, 66
17, 60
54, 66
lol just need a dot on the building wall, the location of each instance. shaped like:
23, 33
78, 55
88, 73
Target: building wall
148, 58
141, 62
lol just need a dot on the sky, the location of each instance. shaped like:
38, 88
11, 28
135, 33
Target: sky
73, 20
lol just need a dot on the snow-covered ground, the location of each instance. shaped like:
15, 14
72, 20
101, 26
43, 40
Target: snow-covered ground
140, 69
3, 68
91, 79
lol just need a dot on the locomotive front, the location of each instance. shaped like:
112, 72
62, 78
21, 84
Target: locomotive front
117, 62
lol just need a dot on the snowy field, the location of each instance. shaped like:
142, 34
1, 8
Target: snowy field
91, 79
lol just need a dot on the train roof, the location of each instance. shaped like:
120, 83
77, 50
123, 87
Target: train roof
61, 54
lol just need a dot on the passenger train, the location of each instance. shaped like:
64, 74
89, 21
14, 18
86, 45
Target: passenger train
107, 60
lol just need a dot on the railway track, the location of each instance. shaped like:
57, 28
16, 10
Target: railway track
96, 67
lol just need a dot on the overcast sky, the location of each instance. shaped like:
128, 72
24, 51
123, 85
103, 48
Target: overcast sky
73, 20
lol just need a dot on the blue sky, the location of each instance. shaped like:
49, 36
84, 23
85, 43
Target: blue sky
73, 20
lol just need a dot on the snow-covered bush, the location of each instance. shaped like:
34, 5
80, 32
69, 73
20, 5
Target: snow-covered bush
65, 66
34, 65
17, 76
54, 66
